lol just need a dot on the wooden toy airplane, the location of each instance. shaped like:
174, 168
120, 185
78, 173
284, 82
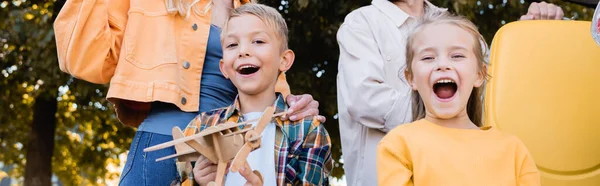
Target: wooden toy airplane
221, 144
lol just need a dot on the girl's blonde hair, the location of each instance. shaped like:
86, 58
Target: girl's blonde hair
474, 105
185, 7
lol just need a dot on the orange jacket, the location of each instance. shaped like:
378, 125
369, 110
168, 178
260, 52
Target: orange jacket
146, 53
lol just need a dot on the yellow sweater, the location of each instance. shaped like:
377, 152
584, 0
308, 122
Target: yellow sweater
423, 153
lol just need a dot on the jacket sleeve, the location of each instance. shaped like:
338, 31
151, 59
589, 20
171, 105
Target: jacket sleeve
88, 35
369, 99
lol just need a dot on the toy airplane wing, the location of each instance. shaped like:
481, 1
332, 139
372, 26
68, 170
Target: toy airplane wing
227, 127
183, 151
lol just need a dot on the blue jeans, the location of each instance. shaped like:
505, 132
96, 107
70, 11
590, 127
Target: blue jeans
141, 167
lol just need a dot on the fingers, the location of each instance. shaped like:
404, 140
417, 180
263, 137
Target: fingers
321, 119
207, 171
526, 17
559, 13
204, 171
204, 180
301, 102
251, 178
534, 10
543, 6
202, 163
306, 113
304, 106
310, 110
543, 11
291, 99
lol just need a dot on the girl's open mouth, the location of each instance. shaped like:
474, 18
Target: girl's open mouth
445, 88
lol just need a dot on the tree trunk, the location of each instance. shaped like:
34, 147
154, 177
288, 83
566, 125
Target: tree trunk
40, 147
38, 168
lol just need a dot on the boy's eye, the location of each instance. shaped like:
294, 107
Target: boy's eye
258, 41
231, 45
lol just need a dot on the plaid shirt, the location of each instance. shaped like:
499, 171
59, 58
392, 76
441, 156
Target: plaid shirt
302, 148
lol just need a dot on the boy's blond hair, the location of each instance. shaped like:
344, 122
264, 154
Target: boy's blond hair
269, 15
474, 105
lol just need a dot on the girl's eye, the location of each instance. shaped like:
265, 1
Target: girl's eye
458, 56
426, 58
258, 42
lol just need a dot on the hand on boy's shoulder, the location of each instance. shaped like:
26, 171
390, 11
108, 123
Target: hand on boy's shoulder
302, 106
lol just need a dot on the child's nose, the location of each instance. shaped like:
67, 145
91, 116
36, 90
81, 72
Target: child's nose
243, 54
443, 65
244, 50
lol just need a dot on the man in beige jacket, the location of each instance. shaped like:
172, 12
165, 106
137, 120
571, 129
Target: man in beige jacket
373, 96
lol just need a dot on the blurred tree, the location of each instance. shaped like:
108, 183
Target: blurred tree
51, 123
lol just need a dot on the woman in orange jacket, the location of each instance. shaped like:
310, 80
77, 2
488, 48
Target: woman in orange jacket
161, 58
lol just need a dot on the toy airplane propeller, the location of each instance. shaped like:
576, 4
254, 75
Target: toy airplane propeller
221, 144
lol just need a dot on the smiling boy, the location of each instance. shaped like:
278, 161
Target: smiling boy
255, 52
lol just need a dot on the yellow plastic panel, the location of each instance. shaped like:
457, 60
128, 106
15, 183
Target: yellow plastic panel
545, 88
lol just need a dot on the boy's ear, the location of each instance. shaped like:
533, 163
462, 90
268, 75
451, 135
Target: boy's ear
409, 79
221, 64
481, 75
287, 59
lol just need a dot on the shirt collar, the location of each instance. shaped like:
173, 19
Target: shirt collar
397, 15
234, 109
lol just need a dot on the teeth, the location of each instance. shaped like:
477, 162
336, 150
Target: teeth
247, 66
445, 81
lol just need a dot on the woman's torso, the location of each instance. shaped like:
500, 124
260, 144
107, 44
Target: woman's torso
216, 92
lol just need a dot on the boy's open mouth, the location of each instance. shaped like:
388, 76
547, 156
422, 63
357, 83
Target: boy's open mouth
444, 88
247, 69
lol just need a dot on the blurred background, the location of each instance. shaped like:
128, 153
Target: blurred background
57, 127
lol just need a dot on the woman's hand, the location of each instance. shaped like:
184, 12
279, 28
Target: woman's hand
302, 106
543, 11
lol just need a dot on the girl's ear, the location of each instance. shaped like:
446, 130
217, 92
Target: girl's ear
481, 75
409, 79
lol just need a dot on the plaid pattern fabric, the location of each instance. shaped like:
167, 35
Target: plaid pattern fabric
302, 148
